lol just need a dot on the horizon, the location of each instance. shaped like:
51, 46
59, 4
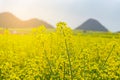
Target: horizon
73, 12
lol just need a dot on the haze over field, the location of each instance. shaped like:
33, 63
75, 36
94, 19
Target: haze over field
74, 12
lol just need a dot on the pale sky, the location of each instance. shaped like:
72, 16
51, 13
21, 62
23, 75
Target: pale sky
74, 12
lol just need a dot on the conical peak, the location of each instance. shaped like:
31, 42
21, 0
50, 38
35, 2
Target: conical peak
92, 25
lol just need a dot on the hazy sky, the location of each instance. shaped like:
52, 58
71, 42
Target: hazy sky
74, 12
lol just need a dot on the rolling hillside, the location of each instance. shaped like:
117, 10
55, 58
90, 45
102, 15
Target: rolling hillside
8, 20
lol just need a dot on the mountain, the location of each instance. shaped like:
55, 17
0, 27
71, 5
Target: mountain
8, 20
92, 25
118, 32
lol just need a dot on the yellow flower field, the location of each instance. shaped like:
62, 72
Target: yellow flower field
59, 55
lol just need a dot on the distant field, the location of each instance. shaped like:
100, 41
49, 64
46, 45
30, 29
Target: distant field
61, 54
19, 30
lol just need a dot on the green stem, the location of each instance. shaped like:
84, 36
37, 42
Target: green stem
45, 53
64, 72
84, 68
68, 54
109, 55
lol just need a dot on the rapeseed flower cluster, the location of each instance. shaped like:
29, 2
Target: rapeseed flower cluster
59, 55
